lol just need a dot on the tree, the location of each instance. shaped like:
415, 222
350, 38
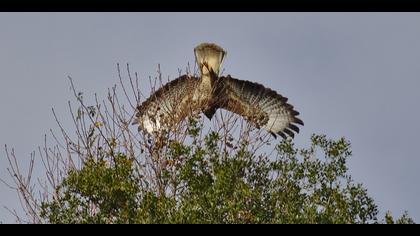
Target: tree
223, 171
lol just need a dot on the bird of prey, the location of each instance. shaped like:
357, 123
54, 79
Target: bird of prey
188, 95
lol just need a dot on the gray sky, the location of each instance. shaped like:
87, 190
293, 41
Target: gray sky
349, 74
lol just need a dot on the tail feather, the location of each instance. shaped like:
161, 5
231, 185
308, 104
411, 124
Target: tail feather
209, 57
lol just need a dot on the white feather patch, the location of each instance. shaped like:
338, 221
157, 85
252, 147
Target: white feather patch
149, 125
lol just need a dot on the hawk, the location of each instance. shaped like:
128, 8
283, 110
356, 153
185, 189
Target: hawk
187, 95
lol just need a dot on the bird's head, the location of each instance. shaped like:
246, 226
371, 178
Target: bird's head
209, 57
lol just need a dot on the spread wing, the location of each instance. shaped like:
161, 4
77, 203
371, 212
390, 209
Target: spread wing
261, 106
168, 105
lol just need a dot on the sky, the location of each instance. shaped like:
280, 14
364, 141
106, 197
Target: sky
352, 75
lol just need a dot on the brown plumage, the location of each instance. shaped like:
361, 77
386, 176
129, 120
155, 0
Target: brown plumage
187, 95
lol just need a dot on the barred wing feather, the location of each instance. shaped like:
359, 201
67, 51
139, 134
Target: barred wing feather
168, 105
261, 106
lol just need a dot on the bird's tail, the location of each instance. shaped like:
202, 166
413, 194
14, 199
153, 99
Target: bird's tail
209, 57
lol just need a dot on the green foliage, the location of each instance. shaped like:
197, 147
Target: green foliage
404, 219
108, 185
204, 181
